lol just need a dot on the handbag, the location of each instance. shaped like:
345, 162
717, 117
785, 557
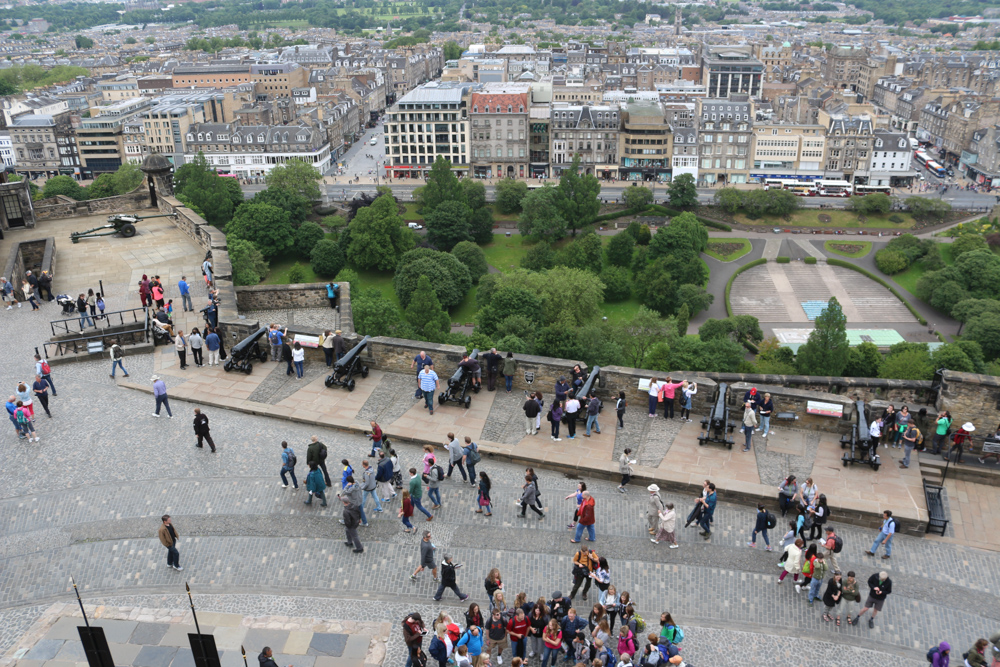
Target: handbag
483, 502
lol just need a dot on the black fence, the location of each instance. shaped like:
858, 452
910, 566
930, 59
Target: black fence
117, 318
132, 334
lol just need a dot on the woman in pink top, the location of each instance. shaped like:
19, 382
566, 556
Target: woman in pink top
667, 390
428, 458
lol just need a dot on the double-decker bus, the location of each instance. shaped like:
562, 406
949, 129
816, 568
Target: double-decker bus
863, 190
922, 158
936, 169
833, 188
777, 183
802, 189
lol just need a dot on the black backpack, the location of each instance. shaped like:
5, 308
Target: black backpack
292, 459
932, 652
772, 521
440, 472
838, 544
322, 452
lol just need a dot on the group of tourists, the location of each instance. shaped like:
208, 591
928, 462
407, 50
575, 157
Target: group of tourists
902, 429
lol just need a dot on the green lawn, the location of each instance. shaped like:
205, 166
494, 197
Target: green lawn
465, 311
744, 249
838, 218
867, 248
908, 279
280, 266
505, 252
621, 311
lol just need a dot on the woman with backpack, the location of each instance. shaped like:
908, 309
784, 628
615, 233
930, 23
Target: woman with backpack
786, 540
764, 521
626, 641
669, 629
793, 561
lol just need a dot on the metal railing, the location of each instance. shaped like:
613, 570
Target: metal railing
82, 344
110, 319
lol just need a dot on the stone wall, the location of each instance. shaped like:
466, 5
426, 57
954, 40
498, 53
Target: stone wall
64, 207
283, 297
968, 396
36, 256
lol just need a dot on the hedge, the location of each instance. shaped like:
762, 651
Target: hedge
663, 210
782, 260
729, 285
855, 267
619, 214
809, 260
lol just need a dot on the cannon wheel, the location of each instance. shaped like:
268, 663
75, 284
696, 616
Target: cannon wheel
364, 371
875, 466
329, 381
350, 385
844, 460
228, 366
442, 398
729, 445
262, 355
128, 230
468, 402
249, 368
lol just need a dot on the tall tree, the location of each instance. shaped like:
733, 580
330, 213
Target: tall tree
442, 185
377, 237
619, 250
637, 196
263, 225
297, 176
448, 224
509, 193
425, 313
683, 193
578, 196
641, 332
473, 194
826, 352
541, 216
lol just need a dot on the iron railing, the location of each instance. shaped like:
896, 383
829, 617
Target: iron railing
110, 319
82, 344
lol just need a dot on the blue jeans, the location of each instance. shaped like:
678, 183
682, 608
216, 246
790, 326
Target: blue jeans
748, 432
590, 532
162, 400
417, 505
652, 405
765, 424
509, 380
907, 449
429, 400
364, 498
814, 588
592, 421
753, 537
878, 541
84, 320
290, 471
186, 302
434, 495
298, 368
553, 652
118, 363
376, 445
472, 472
461, 469
406, 522
705, 522
173, 557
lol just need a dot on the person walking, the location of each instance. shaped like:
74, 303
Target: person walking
509, 370
368, 484
529, 498
201, 429
29, 295
405, 512
749, 424
315, 484
832, 544
426, 557
160, 394
625, 464
665, 528
531, 410
41, 390
383, 478
316, 453
620, 406
471, 458
196, 342
434, 476
213, 343
449, 579
180, 345
960, 439
419, 362
819, 570
586, 519
653, 508
81, 308
879, 587
456, 454
168, 537
417, 493
793, 561
762, 524
496, 636
428, 383
885, 536
585, 561
593, 412
288, 461
708, 513
483, 501
353, 514
42, 368
185, 291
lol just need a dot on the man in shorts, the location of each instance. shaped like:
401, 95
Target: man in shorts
879, 586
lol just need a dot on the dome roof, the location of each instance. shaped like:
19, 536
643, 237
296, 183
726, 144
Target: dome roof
155, 163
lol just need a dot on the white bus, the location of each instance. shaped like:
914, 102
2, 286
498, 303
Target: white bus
863, 190
777, 183
833, 188
802, 189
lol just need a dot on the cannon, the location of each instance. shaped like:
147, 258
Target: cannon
716, 427
244, 352
119, 223
460, 384
348, 366
584, 391
863, 448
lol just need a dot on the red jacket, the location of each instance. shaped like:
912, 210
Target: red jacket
587, 512
518, 627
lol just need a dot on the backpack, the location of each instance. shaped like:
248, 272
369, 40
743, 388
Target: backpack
46, 369
838, 544
678, 635
322, 452
920, 438
440, 472
438, 650
292, 459
472, 453
932, 652
772, 521
895, 525
21, 415
640, 625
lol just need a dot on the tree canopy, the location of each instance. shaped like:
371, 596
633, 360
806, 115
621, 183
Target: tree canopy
377, 237
826, 351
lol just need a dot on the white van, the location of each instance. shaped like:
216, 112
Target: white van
373, 141
414, 225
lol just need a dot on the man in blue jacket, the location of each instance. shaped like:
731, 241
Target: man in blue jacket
473, 638
570, 626
709, 511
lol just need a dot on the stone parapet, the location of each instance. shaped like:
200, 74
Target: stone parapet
971, 396
282, 297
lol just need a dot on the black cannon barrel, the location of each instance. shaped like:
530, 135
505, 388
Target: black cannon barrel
238, 349
720, 401
347, 359
860, 420
589, 383
458, 374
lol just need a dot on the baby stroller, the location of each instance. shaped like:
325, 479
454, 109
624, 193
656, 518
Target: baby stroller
67, 303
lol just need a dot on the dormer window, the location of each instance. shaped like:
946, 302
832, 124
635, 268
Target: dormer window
510, 109
236, 140
190, 137
301, 137
201, 137
260, 138
475, 109
208, 136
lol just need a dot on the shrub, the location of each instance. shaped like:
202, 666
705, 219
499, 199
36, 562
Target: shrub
249, 267
473, 257
617, 286
327, 258
334, 221
782, 260
890, 262
809, 260
306, 237
897, 218
296, 274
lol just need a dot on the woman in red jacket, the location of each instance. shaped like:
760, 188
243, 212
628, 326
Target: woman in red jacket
586, 519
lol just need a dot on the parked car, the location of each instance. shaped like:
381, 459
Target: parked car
414, 225
776, 230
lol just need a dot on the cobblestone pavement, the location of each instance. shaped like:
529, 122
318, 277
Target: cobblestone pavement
391, 398
278, 385
506, 420
86, 500
649, 439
